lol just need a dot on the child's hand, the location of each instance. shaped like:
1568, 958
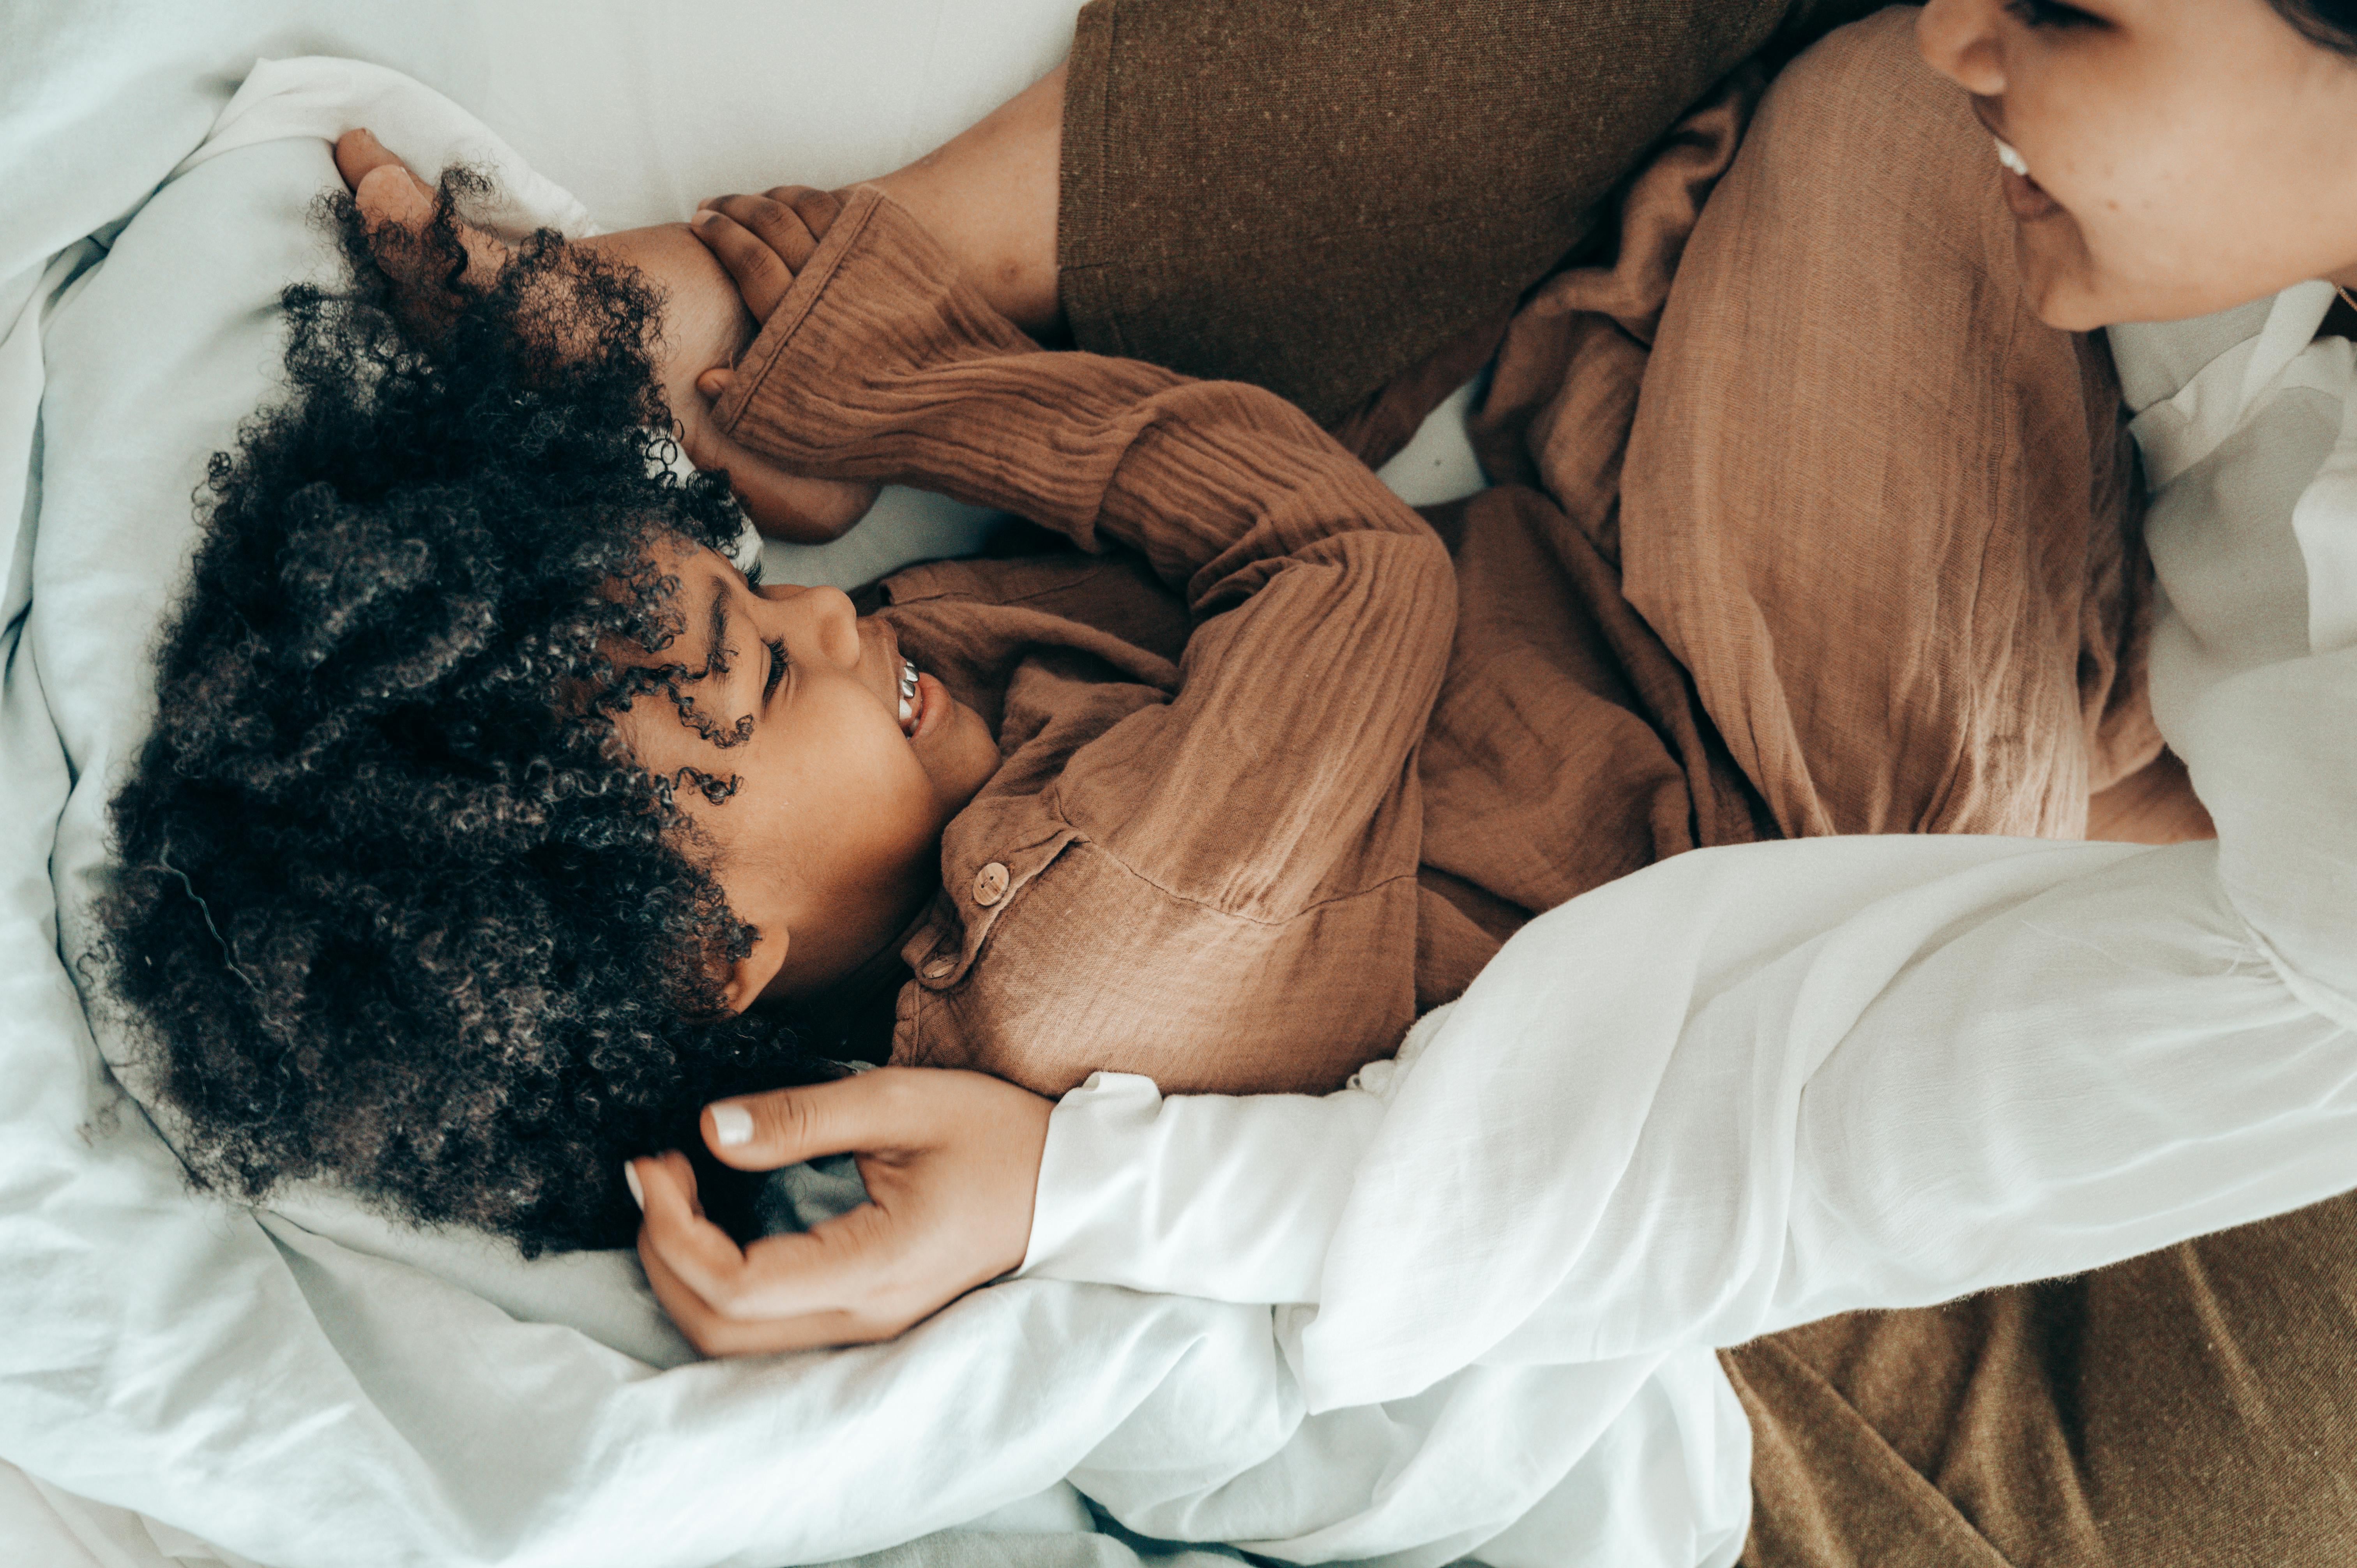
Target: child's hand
702, 327
765, 241
952, 1164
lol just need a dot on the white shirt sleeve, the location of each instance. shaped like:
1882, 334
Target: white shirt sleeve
1742, 1089
1751, 1087
1229, 1197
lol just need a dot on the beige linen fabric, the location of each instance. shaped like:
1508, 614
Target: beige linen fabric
1257, 804
1871, 502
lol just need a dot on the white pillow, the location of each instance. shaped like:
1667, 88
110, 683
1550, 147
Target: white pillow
316, 1386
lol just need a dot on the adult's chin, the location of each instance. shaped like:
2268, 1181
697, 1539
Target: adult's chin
2059, 281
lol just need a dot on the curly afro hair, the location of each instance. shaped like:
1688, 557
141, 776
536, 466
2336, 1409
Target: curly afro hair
394, 908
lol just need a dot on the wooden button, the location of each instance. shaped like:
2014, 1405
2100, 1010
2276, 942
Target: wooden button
990, 884
937, 967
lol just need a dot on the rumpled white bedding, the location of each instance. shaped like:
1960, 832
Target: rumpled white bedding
312, 1385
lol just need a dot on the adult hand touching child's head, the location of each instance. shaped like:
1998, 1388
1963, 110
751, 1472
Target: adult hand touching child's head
703, 326
952, 1164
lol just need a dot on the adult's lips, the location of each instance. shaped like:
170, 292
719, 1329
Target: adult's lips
2023, 194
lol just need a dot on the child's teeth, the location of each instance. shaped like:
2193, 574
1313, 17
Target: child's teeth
2010, 158
907, 713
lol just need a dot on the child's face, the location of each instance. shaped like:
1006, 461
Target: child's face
832, 837
2184, 155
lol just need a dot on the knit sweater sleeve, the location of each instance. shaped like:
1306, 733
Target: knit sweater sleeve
1275, 792
881, 364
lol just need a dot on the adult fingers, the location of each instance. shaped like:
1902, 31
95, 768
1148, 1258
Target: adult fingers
885, 1108
856, 1263
707, 1277
715, 1335
673, 1228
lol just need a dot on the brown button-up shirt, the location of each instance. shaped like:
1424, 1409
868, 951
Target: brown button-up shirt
1202, 857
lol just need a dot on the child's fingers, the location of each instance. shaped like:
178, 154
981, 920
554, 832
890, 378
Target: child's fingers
774, 223
388, 191
760, 274
817, 208
358, 155
782, 505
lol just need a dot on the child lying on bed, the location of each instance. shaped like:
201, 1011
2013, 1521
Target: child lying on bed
495, 820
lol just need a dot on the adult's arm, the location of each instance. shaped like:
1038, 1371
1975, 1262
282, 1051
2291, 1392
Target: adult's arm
1742, 1089
1751, 1087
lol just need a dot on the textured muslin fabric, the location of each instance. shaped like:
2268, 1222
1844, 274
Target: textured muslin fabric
1999, 1062
1208, 851
1223, 831
1312, 195
1854, 419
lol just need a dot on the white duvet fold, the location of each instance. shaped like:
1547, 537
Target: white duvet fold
316, 1386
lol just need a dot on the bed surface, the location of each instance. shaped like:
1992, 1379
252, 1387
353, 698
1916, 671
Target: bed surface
314, 1385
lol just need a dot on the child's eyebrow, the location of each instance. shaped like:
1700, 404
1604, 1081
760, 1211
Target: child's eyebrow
716, 653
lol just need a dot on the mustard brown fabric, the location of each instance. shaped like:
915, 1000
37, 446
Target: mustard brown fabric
2190, 1409
1424, 161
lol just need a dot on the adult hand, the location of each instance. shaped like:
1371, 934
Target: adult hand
952, 1163
701, 326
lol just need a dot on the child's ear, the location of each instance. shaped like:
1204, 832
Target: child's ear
751, 976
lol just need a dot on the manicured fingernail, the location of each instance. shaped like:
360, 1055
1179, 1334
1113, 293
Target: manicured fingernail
732, 1125
631, 1180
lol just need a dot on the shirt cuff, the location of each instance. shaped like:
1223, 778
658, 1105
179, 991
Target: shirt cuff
1233, 1198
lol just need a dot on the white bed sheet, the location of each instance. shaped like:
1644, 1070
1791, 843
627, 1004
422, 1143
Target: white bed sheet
313, 1386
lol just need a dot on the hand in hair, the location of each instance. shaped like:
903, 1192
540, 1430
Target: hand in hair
699, 325
394, 906
951, 1160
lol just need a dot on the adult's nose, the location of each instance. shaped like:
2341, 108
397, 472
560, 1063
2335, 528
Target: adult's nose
1962, 39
